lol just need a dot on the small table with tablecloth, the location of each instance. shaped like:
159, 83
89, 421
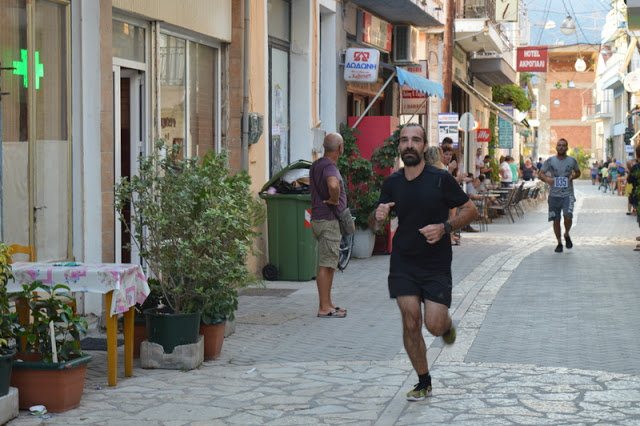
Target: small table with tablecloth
123, 284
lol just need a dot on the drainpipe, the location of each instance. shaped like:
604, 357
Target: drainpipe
245, 90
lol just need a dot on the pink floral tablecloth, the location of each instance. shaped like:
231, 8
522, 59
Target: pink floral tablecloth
127, 280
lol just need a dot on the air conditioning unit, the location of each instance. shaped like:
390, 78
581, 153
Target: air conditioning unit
405, 44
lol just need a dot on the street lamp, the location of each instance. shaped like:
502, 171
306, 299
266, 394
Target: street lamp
580, 65
568, 26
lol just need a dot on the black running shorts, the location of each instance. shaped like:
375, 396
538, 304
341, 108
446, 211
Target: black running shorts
413, 280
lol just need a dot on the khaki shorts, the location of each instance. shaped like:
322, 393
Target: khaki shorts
327, 232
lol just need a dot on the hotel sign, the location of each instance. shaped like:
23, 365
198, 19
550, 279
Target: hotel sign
531, 59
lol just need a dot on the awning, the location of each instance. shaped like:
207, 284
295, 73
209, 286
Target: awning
488, 102
414, 81
420, 84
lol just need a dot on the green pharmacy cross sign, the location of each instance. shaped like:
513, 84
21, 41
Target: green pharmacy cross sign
21, 68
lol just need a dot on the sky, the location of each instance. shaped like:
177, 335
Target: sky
588, 14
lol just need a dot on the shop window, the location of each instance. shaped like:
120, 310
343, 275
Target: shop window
13, 42
278, 12
172, 67
203, 66
36, 172
128, 41
188, 94
279, 29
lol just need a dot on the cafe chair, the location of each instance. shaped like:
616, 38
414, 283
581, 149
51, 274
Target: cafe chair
20, 249
505, 206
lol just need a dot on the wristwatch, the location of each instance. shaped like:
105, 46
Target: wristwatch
447, 227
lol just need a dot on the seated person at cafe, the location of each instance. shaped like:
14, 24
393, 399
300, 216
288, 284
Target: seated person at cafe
474, 193
483, 183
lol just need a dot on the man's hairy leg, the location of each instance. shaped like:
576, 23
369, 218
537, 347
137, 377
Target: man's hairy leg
436, 318
411, 310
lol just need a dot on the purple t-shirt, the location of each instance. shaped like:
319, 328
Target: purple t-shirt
320, 171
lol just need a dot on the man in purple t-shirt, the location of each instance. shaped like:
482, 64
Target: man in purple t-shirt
327, 196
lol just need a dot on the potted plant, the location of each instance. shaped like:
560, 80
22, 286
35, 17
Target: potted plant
52, 369
8, 323
359, 178
216, 310
193, 223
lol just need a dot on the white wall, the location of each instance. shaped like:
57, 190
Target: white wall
328, 72
87, 202
300, 78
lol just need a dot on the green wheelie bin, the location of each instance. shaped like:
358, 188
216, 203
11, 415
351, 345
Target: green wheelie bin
292, 248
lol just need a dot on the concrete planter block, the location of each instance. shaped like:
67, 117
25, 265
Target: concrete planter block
184, 357
9, 406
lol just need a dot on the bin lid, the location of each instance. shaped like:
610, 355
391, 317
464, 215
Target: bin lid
300, 164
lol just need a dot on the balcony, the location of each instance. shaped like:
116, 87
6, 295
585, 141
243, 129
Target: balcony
492, 69
597, 112
424, 14
476, 28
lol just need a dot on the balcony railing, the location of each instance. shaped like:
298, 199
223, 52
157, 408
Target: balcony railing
474, 9
603, 108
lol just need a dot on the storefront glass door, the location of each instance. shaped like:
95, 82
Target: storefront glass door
35, 130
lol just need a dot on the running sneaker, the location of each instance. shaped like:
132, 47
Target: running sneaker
450, 336
419, 393
568, 241
558, 248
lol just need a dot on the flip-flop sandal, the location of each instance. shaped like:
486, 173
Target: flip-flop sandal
339, 309
333, 314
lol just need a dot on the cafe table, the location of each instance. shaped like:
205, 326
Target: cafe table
123, 284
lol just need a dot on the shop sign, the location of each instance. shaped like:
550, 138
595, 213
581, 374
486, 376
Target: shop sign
448, 127
374, 31
484, 135
531, 59
505, 129
361, 65
413, 101
459, 55
506, 10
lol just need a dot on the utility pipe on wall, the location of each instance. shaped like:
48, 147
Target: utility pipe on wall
245, 90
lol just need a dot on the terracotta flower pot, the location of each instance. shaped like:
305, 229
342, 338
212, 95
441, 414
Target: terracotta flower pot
139, 335
57, 386
213, 339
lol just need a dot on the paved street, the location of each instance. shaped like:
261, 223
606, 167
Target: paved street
543, 338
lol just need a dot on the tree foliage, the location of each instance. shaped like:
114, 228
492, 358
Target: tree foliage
511, 94
582, 157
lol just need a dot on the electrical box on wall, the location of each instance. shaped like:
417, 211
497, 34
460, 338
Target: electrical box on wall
256, 127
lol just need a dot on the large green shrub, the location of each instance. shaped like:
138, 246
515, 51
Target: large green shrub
194, 224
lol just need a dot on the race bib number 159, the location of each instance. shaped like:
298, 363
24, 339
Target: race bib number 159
561, 182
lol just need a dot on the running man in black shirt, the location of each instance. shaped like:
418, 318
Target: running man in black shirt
420, 271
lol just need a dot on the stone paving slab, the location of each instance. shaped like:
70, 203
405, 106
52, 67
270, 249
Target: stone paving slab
285, 366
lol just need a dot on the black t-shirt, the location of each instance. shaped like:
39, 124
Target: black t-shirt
422, 201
